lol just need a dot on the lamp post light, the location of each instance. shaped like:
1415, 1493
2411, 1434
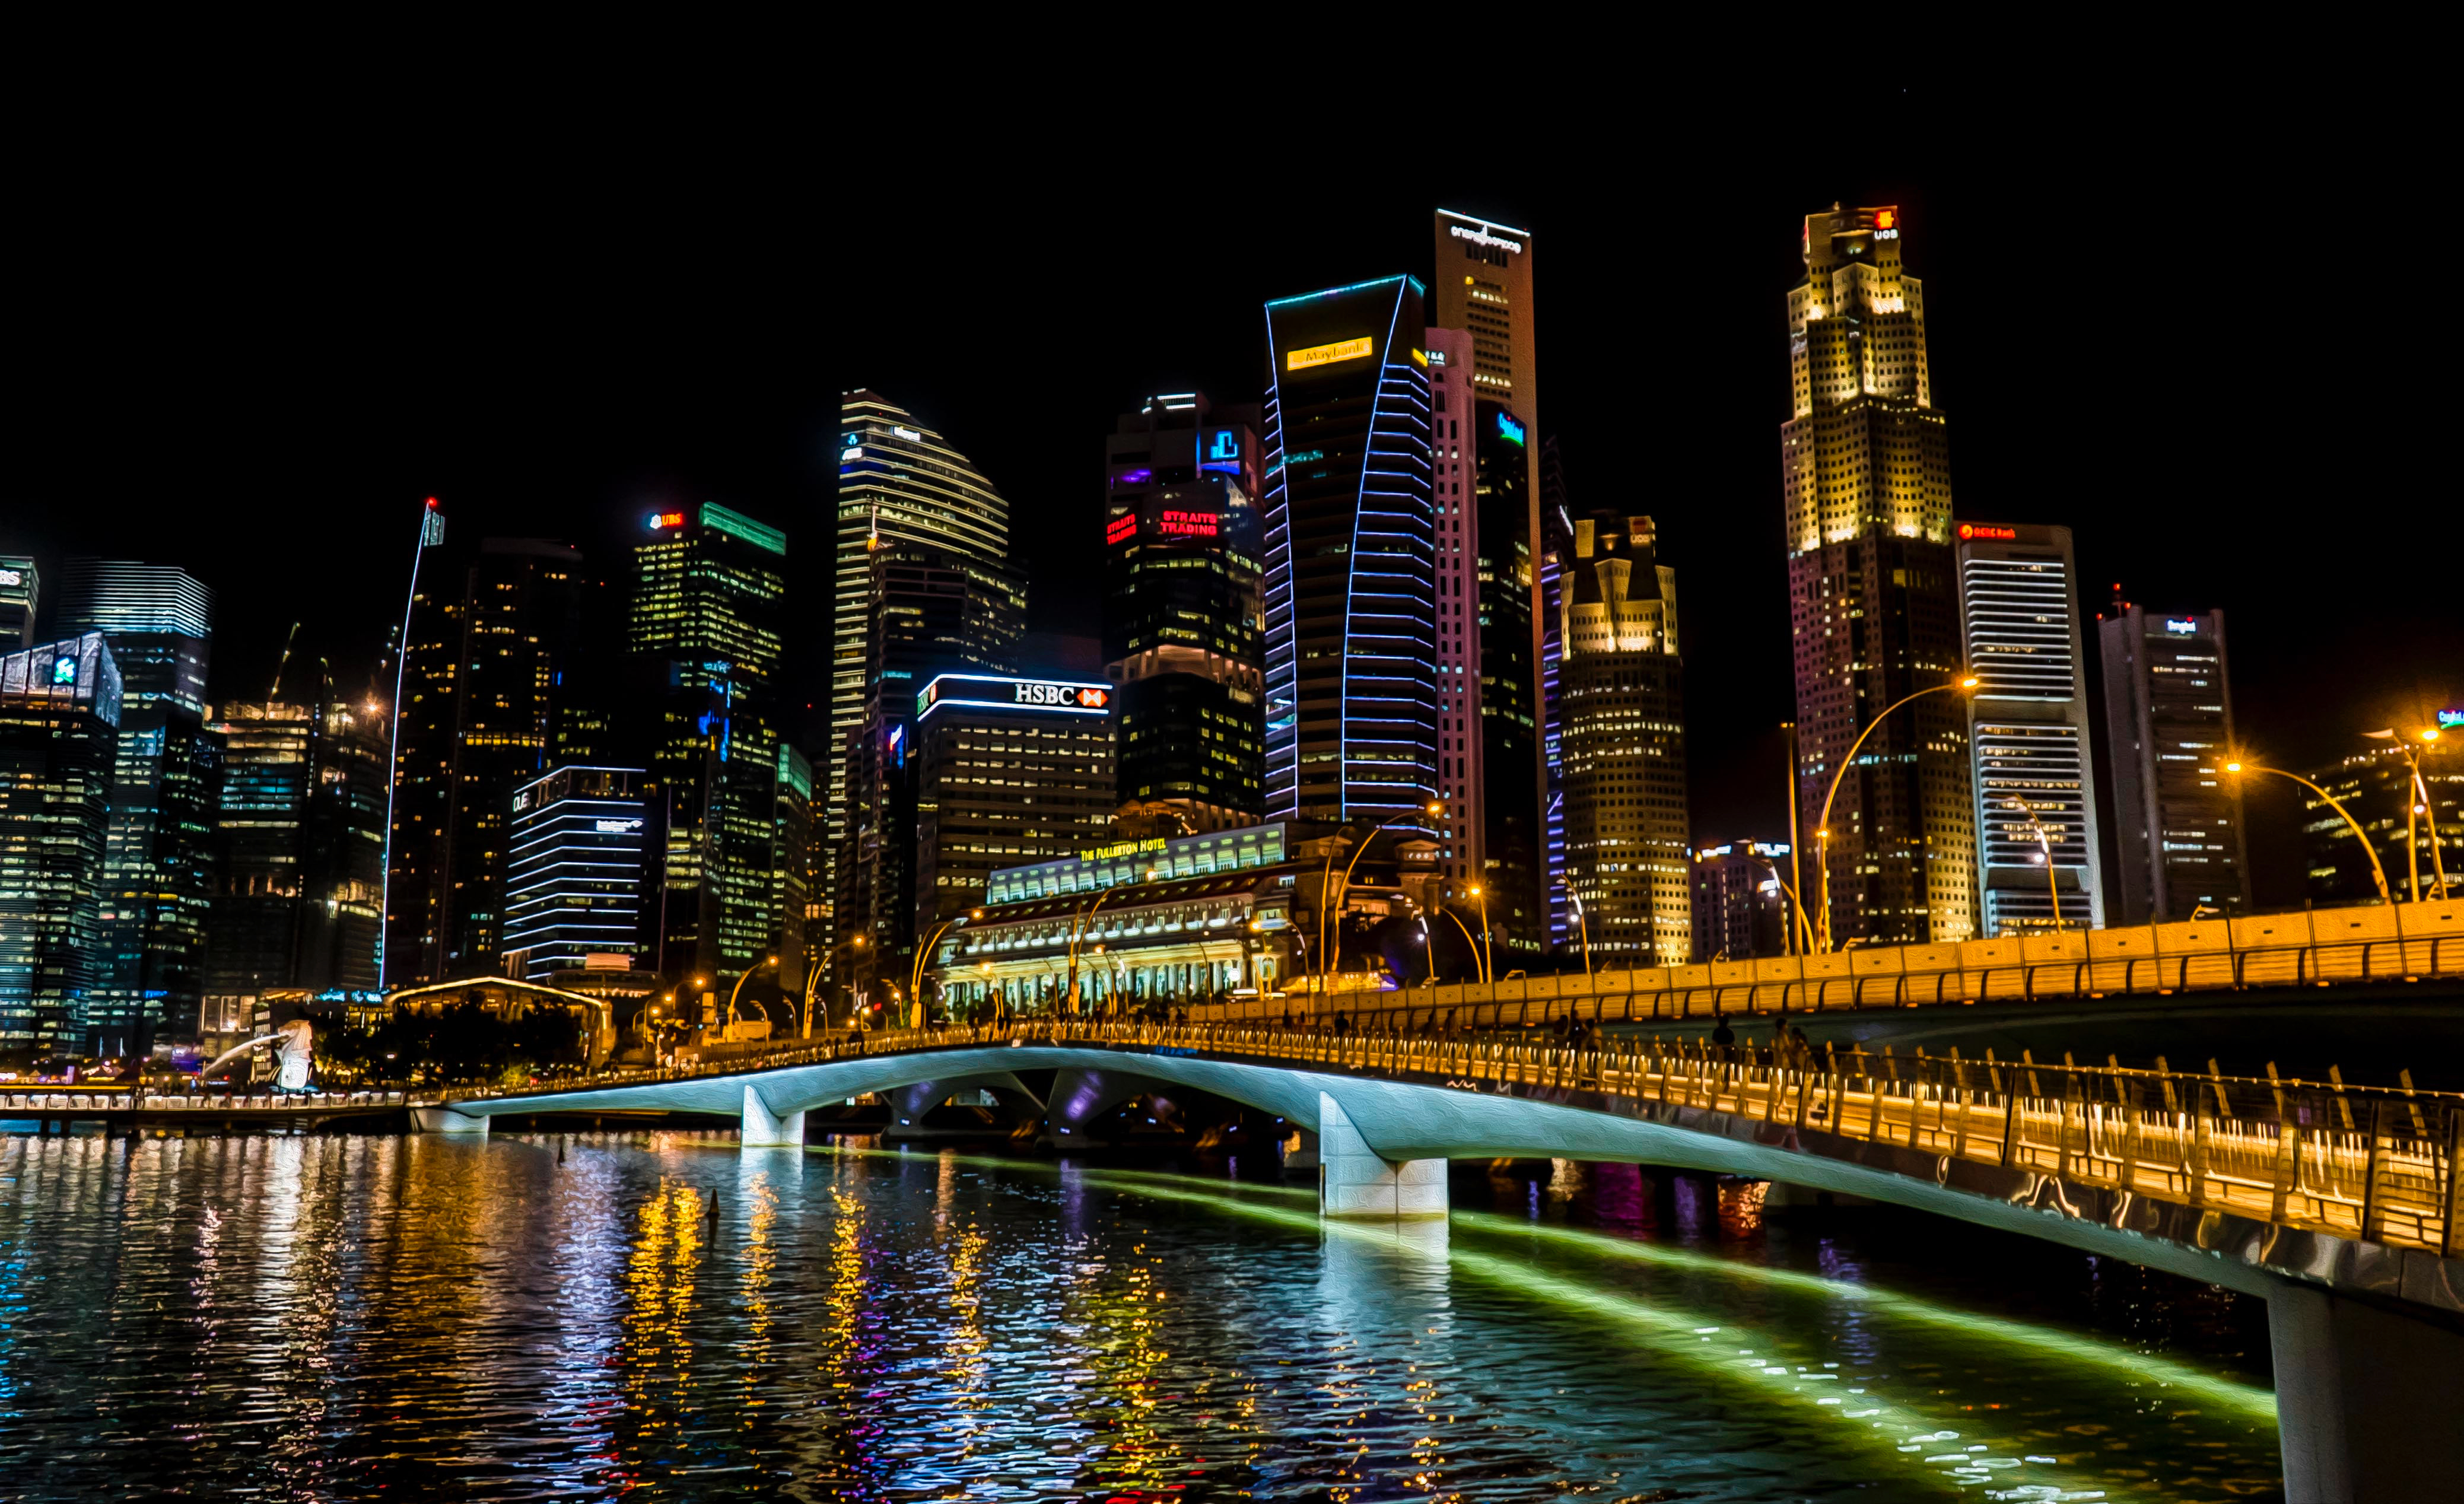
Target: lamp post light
1334, 952
1478, 971
915, 973
1585, 926
1799, 929
727, 1021
1077, 928
2418, 803
1822, 825
2378, 873
2035, 827
1487, 956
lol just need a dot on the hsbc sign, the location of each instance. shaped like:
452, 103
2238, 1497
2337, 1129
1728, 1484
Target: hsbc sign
1065, 697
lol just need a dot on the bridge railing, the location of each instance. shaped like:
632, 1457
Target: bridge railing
2361, 1163
1615, 997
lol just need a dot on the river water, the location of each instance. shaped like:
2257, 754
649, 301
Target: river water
563, 1317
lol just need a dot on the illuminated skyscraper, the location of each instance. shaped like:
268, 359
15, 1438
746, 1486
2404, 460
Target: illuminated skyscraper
574, 883
1181, 612
157, 862
707, 630
1351, 603
2177, 815
1622, 733
60, 717
491, 637
1462, 773
2375, 787
902, 483
1865, 478
20, 594
2018, 597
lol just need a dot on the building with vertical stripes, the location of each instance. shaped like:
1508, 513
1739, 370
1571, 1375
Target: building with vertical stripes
2034, 776
2180, 845
573, 878
1351, 651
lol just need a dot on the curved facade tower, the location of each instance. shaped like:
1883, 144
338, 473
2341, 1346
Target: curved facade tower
1350, 555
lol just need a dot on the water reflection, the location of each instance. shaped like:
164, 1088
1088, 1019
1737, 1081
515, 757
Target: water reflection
660, 1314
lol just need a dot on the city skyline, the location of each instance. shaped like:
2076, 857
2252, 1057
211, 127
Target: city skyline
2147, 510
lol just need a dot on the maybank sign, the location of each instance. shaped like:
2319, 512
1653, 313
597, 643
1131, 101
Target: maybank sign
985, 692
1329, 354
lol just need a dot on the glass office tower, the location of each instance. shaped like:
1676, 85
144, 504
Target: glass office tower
1350, 653
59, 720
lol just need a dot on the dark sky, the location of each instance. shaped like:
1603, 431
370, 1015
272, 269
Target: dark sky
2198, 328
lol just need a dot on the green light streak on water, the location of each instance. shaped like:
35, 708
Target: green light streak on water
1718, 1348
2239, 1401
2246, 1401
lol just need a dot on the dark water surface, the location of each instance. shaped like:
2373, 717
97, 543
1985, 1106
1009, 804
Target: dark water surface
285, 1318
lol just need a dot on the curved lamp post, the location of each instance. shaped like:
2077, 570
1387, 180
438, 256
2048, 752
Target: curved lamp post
1800, 927
2417, 801
2044, 844
738, 991
1487, 957
1478, 971
1334, 952
1586, 926
915, 973
1822, 825
1077, 929
2378, 873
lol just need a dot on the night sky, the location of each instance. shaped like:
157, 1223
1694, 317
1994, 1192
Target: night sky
2196, 330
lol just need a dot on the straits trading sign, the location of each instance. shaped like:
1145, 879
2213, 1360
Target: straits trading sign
984, 691
1327, 354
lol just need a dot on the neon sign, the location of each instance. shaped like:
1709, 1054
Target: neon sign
1482, 237
1509, 430
1329, 354
1189, 524
2174, 624
851, 452
2450, 719
660, 520
64, 671
1969, 530
908, 433
12, 577
1064, 697
1121, 529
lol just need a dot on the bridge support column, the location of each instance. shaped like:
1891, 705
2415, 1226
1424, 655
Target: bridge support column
2365, 1399
1357, 1182
765, 1129
446, 1121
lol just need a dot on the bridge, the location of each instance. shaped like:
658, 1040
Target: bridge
2340, 1206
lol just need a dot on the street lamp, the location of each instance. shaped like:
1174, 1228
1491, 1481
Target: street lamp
2378, 873
1077, 928
2045, 845
1469, 943
1334, 952
1822, 825
1800, 928
1585, 926
1487, 957
729, 1021
915, 973
2417, 801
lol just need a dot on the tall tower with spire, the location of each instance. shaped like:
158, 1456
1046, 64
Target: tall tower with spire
1874, 609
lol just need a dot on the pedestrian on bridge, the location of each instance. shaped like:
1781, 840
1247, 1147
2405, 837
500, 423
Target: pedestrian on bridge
1721, 1035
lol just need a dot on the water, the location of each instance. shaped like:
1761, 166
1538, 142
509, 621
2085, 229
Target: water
294, 1319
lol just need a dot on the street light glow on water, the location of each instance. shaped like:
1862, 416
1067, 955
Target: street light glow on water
660, 1314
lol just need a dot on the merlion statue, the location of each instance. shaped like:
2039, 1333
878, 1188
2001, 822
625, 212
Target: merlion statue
295, 1051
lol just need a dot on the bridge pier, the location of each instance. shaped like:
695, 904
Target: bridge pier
2365, 1399
446, 1121
765, 1129
1358, 1181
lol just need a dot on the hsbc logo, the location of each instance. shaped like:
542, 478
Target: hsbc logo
1082, 697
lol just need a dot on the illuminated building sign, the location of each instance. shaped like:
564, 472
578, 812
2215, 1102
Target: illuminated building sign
1482, 237
1223, 451
1189, 524
2175, 624
1121, 529
851, 452
908, 433
616, 827
64, 671
1329, 354
1055, 696
1100, 854
1421, 357
13, 577
663, 519
1968, 530
1436, 357
2450, 719
1509, 430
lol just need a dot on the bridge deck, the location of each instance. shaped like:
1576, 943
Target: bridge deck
2354, 1163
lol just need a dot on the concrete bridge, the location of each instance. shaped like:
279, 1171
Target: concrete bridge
2341, 1207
